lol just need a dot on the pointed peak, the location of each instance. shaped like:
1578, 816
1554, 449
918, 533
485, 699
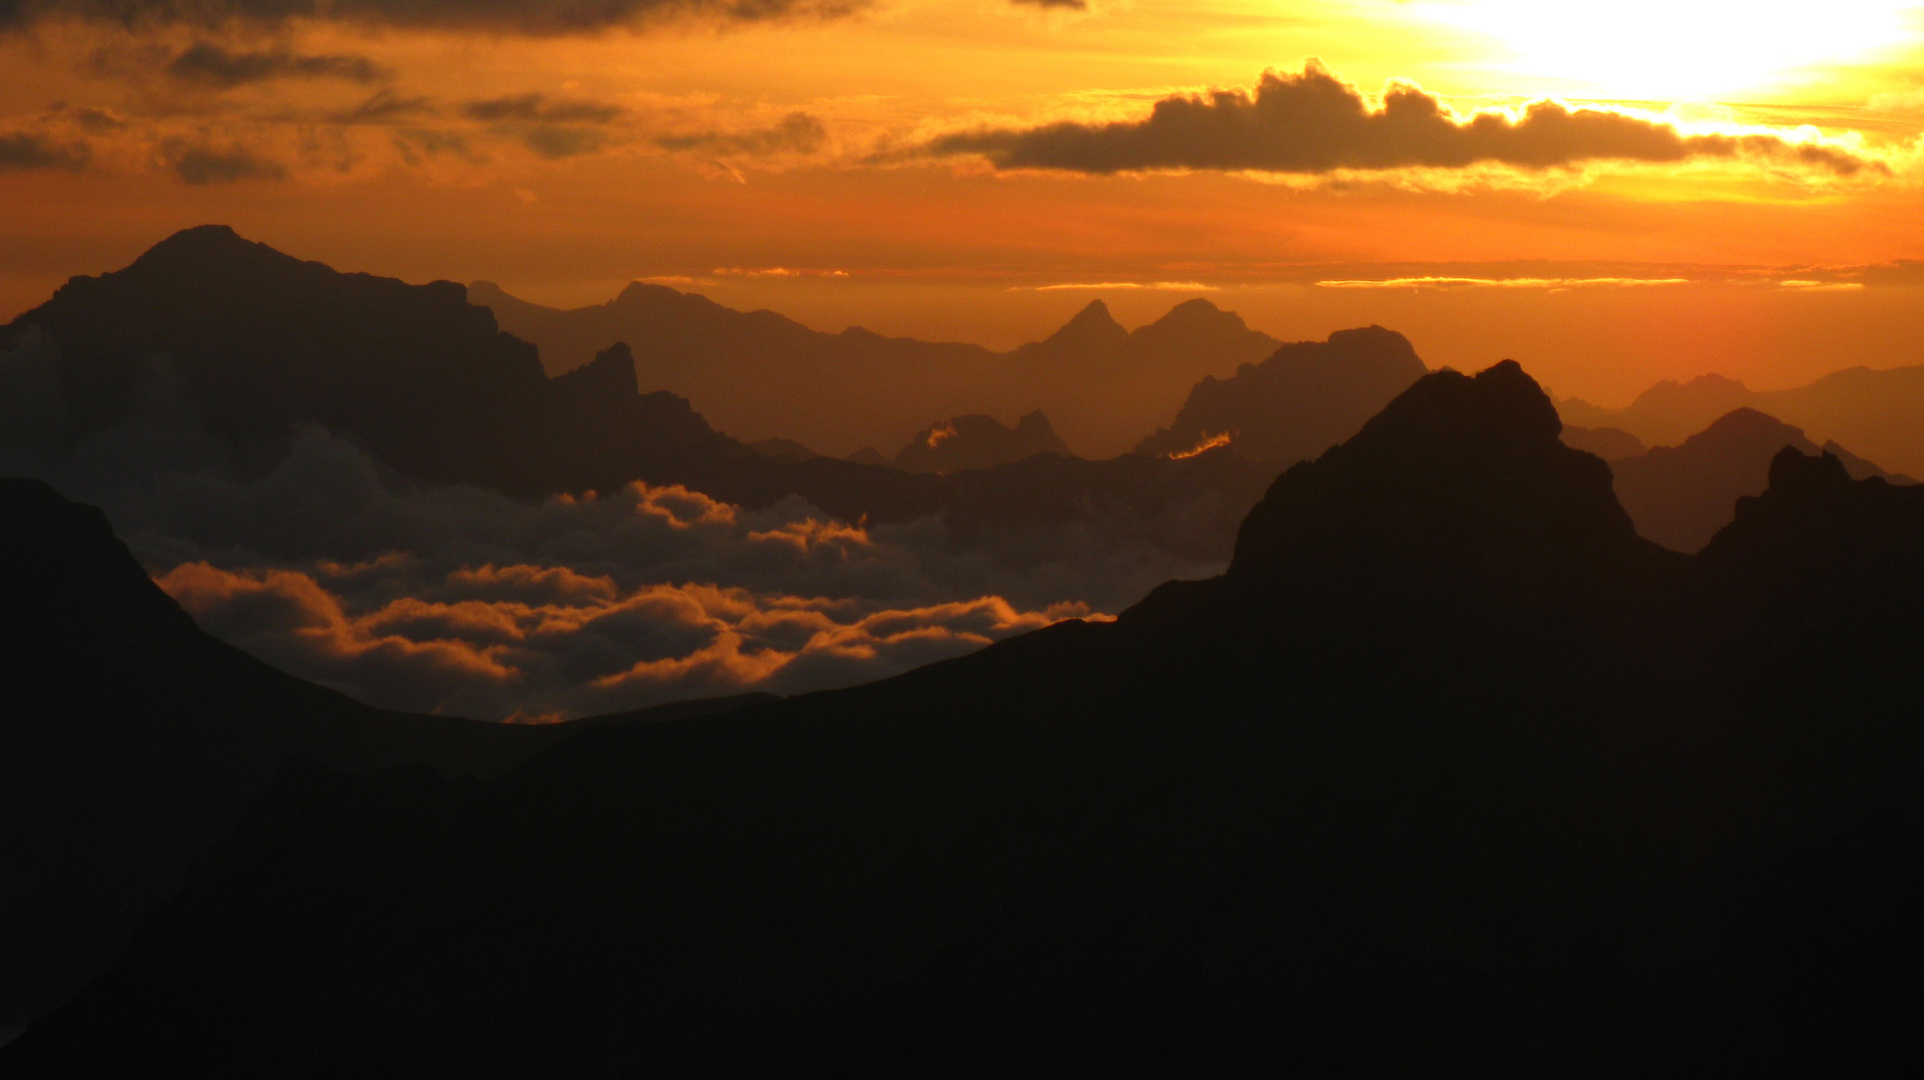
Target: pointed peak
1093, 324
1475, 459
208, 244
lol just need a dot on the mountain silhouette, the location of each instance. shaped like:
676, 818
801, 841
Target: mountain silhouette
1878, 412
1449, 768
132, 739
1303, 399
1680, 496
978, 442
249, 344
1103, 385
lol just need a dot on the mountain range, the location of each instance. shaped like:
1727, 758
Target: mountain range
1877, 412
230, 347
1450, 768
1104, 386
1681, 496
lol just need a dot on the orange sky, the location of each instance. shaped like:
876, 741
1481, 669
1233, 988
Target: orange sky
563, 161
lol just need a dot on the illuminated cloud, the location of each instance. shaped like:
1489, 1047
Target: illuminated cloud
521, 640
1314, 123
466, 600
536, 17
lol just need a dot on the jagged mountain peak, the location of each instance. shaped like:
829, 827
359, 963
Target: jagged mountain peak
1460, 482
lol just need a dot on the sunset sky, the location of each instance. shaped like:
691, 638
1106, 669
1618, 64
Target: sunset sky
1610, 193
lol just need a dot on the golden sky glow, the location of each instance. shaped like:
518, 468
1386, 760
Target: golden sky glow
1766, 139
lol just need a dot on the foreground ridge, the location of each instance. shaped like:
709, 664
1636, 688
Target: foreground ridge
1449, 766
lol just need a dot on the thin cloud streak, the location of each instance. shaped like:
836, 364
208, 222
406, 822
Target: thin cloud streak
1494, 283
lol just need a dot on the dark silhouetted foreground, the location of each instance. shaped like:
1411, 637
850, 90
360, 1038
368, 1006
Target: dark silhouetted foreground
1451, 771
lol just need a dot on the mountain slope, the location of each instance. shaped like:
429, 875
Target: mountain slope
1303, 399
1680, 496
131, 740
1879, 412
978, 442
1450, 767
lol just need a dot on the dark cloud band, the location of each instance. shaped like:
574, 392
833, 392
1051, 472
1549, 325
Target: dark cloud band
1316, 123
206, 62
27, 151
537, 17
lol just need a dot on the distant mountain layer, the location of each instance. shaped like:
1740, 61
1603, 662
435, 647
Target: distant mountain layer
1305, 398
1878, 413
1104, 386
1681, 496
1450, 767
211, 339
978, 442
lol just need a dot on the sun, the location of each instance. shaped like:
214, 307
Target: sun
1677, 49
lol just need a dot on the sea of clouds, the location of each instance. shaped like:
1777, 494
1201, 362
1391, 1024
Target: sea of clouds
459, 600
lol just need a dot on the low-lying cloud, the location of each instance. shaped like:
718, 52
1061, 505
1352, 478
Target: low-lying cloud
543, 642
1313, 122
466, 601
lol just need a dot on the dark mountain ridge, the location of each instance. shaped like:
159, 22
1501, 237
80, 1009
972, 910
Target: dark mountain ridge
1450, 768
253, 343
131, 739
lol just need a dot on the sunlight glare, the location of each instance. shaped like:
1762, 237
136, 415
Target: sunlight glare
1676, 49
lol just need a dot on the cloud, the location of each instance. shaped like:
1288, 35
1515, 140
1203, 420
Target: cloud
204, 163
1313, 122
1177, 286
385, 104
28, 151
517, 640
1494, 283
551, 127
465, 600
210, 64
538, 108
796, 133
536, 17
555, 142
